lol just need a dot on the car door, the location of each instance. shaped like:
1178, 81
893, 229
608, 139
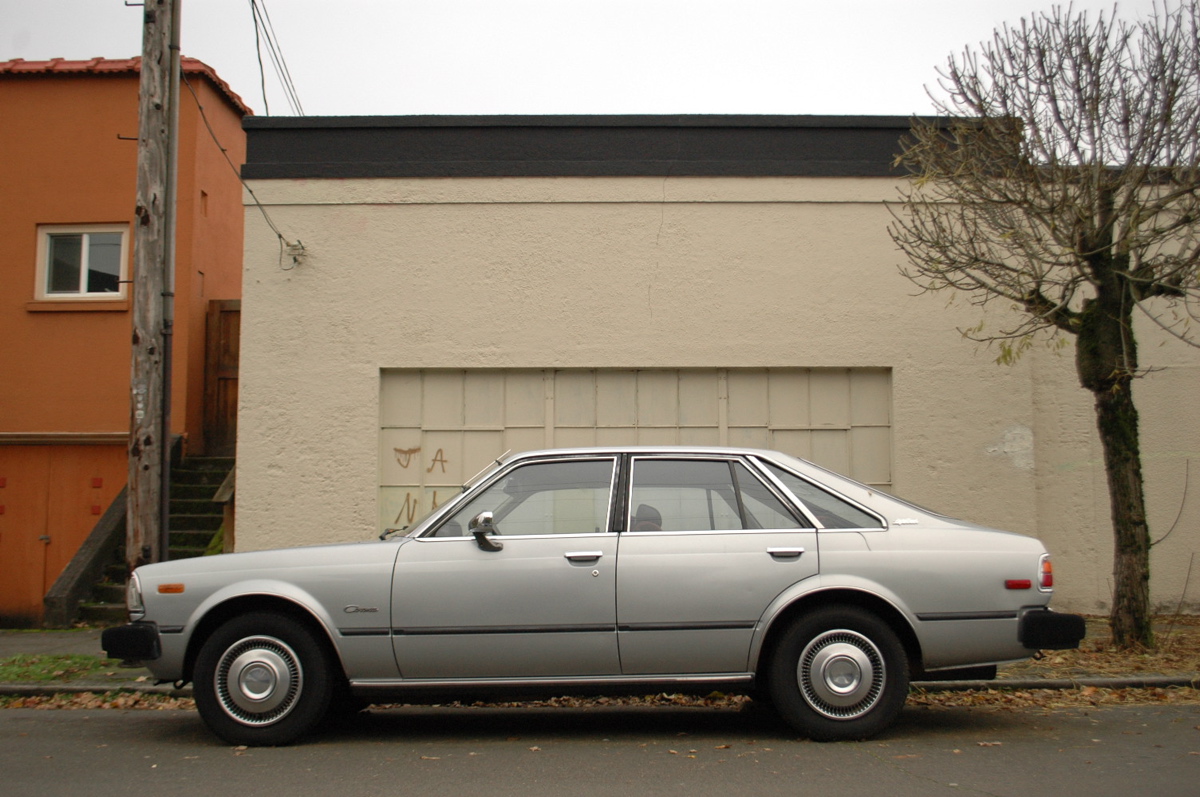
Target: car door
706, 548
532, 596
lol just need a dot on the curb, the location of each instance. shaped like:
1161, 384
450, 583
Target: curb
1015, 684
1006, 685
51, 689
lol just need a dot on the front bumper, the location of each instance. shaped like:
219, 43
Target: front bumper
1043, 629
132, 642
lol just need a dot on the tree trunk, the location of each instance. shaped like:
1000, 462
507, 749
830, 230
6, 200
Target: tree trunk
1117, 419
1106, 360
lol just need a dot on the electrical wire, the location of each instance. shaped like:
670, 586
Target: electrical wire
294, 249
262, 74
264, 30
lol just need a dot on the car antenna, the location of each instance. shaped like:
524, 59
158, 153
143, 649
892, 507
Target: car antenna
497, 461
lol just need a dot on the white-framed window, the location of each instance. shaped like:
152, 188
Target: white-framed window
82, 261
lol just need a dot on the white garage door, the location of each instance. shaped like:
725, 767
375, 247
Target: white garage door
438, 428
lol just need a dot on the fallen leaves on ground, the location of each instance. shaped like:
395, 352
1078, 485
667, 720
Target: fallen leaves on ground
1177, 653
1088, 696
84, 700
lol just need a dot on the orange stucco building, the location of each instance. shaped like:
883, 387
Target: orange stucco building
68, 173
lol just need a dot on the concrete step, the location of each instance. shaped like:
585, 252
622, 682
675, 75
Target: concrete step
187, 552
189, 476
103, 613
195, 506
109, 592
178, 523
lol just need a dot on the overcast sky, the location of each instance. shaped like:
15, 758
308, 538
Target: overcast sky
394, 57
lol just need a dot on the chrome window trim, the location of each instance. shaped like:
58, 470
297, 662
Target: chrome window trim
733, 458
763, 466
577, 536
437, 520
711, 532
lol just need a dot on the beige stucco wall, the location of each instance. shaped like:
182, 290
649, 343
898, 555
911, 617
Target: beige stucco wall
665, 273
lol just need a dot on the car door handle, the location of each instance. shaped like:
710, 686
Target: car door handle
785, 553
583, 556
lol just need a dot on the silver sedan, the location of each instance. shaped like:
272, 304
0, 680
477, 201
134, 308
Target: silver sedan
606, 571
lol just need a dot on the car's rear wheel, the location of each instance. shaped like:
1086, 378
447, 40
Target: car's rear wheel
262, 679
838, 673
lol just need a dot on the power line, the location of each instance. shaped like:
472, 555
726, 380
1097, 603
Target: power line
293, 249
264, 31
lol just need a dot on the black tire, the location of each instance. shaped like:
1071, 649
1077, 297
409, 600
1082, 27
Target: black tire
262, 679
344, 708
838, 673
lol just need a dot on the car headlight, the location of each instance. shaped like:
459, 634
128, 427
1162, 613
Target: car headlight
133, 598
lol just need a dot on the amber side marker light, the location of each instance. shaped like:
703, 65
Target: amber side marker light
170, 589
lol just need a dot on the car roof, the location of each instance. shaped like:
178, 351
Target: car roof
646, 449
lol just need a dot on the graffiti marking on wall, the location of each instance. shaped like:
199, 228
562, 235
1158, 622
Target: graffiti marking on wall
410, 507
404, 455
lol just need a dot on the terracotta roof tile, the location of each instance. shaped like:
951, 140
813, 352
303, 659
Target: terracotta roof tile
62, 66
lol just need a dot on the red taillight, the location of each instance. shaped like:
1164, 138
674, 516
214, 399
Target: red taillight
1018, 583
1045, 573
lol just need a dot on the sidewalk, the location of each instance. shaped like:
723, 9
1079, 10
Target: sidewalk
84, 642
87, 642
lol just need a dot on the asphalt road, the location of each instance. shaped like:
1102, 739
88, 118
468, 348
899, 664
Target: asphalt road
535, 752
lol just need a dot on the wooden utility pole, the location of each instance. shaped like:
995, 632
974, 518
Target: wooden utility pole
153, 285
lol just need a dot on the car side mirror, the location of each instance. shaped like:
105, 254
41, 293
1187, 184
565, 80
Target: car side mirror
480, 527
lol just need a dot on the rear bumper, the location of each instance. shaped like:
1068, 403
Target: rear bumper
132, 642
1043, 629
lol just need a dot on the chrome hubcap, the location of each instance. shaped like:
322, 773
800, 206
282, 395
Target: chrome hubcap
841, 674
258, 680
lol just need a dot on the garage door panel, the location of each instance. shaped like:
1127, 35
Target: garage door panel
872, 450
658, 398
483, 398
524, 439
400, 400
439, 428
616, 435
699, 436
666, 436
750, 436
480, 446
794, 441
616, 399
575, 399
787, 393
748, 399
399, 455
575, 438
442, 397
525, 399
871, 398
699, 399
402, 506
829, 392
830, 447
441, 457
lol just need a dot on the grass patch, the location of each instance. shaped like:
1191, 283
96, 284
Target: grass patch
40, 669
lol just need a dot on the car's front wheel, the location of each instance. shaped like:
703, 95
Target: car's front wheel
839, 673
262, 679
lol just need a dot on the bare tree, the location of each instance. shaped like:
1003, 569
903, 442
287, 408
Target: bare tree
1062, 177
